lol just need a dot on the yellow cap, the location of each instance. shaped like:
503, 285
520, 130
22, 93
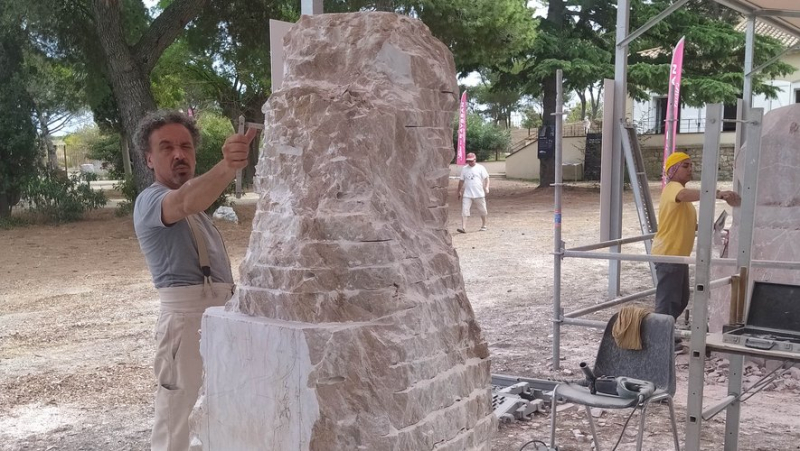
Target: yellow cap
674, 159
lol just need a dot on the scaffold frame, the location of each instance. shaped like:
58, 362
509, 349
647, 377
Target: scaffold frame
749, 122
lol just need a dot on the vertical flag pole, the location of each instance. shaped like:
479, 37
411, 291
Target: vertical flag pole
461, 153
673, 105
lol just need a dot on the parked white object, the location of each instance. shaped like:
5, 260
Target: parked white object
226, 214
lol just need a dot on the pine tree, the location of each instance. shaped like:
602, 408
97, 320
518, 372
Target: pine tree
578, 36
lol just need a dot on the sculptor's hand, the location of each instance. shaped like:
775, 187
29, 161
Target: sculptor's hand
237, 148
731, 197
487, 190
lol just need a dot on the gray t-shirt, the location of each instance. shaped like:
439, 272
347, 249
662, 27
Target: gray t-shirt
170, 251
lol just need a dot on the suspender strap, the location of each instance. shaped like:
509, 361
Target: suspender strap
202, 248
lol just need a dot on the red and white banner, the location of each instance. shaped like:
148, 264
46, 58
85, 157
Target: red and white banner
461, 152
673, 105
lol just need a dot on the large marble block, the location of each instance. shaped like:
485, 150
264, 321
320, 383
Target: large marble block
776, 228
350, 328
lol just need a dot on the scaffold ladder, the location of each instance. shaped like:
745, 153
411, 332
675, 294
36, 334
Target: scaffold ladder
641, 189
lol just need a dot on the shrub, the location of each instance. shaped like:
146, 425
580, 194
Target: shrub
11, 222
483, 138
214, 130
57, 198
126, 187
18, 149
106, 147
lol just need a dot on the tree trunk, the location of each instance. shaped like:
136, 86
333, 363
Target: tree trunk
131, 86
7, 201
582, 96
126, 156
129, 66
47, 142
555, 18
5, 206
596, 101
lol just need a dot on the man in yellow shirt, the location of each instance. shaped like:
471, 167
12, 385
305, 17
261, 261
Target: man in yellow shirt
677, 222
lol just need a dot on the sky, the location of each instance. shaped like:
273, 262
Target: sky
75, 124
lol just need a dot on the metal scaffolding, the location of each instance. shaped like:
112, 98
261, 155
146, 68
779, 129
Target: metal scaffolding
749, 123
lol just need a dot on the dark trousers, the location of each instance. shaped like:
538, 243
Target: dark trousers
672, 291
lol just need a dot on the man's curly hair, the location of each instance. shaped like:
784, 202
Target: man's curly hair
157, 119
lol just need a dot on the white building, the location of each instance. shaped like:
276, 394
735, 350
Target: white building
649, 115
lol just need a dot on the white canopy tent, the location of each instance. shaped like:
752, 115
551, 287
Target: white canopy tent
783, 14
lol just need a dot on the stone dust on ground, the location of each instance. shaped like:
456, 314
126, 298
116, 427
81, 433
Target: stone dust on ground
77, 310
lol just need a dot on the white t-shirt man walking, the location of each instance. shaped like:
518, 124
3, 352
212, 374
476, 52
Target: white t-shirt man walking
473, 186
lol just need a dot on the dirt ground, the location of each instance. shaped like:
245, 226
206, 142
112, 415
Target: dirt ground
77, 310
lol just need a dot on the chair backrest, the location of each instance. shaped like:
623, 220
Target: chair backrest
655, 362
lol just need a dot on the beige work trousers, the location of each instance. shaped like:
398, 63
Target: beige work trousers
178, 366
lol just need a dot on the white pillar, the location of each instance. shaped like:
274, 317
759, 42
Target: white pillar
747, 89
620, 98
310, 7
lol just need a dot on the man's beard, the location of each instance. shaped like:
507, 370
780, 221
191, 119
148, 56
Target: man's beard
181, 172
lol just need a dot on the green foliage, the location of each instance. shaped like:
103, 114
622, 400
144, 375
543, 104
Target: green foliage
574, 115
578, 115
18, 150
480, 33
483, 138
495, 101
115, 44
214, 130
103, 146
531, 118
56, 87
577, 37
58, 199
224, 58
168, 79
127, 187
13, 222
64, 47
713, 56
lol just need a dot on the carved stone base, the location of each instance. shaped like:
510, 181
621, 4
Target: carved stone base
263, 378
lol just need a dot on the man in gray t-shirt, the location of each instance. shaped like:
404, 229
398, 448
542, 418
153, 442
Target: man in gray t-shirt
186, 257
170, 251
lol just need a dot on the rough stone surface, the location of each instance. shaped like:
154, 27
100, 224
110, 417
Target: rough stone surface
350, 266
653, 157
776, 232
